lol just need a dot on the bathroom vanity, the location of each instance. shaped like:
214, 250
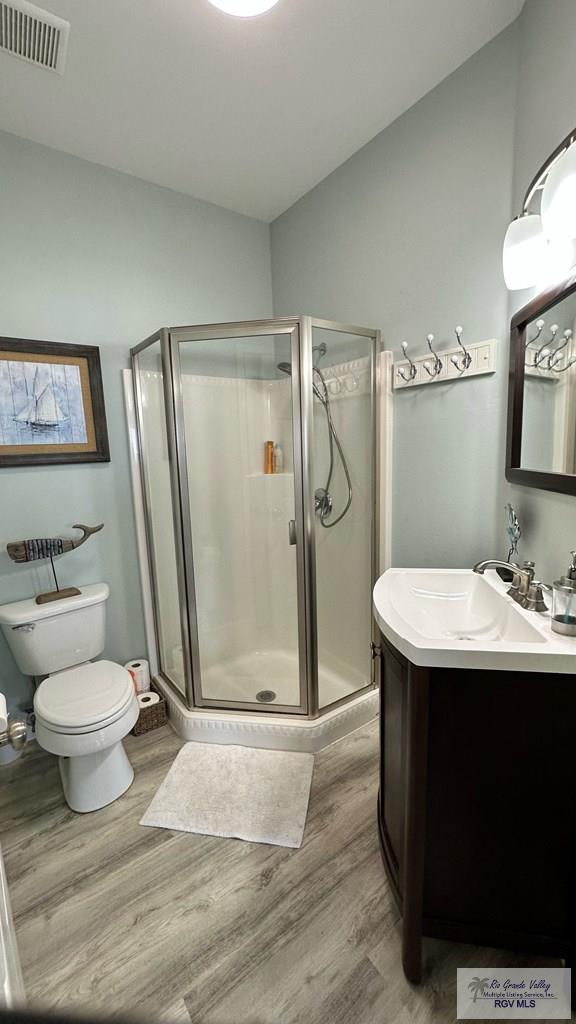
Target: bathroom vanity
477, 809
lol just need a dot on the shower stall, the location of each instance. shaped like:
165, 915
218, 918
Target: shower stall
258, 458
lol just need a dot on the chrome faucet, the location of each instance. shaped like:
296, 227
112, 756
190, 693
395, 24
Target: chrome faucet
522, 579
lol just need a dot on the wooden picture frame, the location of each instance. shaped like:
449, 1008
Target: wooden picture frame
52, 408
563, 483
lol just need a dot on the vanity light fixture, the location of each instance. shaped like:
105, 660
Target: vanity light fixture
524, 251
244, 8
538, 247
559, 197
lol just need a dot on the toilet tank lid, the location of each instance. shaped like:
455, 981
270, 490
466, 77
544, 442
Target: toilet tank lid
20, 612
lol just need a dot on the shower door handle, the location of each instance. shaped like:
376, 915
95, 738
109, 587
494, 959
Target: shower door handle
292, 531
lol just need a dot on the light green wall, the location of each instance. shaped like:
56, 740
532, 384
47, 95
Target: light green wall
407, 236
91, 256
546, 114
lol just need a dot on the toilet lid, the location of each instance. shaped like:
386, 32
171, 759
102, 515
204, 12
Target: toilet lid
84, 696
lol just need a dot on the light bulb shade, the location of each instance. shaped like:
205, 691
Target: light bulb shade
558, 206
525, 251
559, 258
244, 8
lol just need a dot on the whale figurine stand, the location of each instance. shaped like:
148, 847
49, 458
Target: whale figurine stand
49, 547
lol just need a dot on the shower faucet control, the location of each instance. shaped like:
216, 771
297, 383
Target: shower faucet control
322, 502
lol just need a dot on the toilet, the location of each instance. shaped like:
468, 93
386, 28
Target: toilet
83, 708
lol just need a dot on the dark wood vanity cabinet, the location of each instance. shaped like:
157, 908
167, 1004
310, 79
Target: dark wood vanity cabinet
477, 806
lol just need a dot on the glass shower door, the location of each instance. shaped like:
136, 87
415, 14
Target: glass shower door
164, 560
343, 482
239, 462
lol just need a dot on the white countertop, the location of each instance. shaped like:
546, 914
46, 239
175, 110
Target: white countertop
455, 618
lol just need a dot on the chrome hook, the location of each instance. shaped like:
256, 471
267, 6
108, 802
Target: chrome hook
413, 369
544, 351
557, 356
556, 368
539, 325
437, 364
466, 358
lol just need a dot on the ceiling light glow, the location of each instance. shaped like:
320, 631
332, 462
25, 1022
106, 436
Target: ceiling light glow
244, 8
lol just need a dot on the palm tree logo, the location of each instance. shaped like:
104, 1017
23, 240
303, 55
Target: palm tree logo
478, 986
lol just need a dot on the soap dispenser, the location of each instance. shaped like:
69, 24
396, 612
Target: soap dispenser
564, 601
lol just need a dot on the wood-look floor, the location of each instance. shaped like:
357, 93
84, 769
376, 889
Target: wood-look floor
116, 919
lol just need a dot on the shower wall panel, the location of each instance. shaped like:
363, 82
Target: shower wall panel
240, 515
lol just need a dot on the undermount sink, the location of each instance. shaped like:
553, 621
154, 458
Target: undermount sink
460, 619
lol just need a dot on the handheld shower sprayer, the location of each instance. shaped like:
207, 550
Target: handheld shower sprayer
323, 501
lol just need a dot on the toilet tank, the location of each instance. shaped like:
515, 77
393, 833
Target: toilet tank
46, 638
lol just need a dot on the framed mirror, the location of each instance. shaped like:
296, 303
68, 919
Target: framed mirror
541, 446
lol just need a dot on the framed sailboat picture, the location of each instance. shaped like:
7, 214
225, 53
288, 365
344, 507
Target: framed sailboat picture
51, 404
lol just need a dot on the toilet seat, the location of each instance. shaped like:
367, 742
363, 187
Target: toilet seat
84, 699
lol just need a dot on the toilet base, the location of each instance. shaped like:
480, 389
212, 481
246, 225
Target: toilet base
92, 781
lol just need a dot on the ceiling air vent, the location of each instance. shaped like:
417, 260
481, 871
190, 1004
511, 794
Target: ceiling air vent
33, 35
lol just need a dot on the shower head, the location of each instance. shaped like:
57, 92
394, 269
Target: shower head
322, 396
318, 351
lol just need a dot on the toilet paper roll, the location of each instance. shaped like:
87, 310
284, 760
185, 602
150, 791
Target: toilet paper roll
140, 672
145, 700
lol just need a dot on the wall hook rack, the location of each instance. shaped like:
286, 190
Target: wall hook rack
452, 364
550, 357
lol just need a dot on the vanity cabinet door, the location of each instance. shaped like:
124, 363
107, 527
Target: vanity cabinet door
392, 753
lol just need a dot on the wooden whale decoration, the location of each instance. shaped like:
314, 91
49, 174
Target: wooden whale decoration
48, 547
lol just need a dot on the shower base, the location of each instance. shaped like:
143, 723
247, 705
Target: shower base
242, 678
276, 732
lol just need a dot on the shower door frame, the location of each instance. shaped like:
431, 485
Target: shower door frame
300, 329
225, 332
309, 323
163, 338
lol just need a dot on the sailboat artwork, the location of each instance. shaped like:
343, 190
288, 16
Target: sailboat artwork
52, 408
41, 403
42, 410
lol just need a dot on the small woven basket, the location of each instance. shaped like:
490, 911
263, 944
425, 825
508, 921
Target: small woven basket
151, 717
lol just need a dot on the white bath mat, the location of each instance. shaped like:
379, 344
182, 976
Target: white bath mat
238, 792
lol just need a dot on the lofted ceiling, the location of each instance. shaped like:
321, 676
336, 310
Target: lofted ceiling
246, 113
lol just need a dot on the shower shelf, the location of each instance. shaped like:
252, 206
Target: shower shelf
254, 476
